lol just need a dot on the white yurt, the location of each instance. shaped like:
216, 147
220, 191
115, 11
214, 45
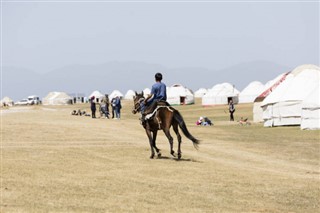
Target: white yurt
179, 95
284, 105
57, 98
310, 115
98, 96
268, 88
115, 93
250, 92
146, 92
220, 94
129, 95
200, 92
7, 101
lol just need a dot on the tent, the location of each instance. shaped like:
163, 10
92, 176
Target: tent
179, 95
146, 92
57, 98
268, 88
310, 116
220, 94
284, 105
115, 93
249, 94
7, 101
200, 92
97, 95
129, 95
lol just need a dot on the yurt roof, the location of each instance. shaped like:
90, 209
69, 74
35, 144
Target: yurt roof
178, 90
201, 90
129, 94
115, 93
146, 91
56, 95
297, 85
271, 85
6, 100
96, 94
255, 87
223, 89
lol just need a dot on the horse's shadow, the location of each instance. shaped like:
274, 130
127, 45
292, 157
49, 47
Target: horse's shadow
176, 159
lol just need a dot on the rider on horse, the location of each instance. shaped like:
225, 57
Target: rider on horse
158, 93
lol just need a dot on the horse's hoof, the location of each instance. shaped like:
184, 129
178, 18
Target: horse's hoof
179, 156
152, 156
159, 155
172, 153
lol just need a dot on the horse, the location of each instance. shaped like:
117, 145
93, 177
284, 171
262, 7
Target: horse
163, 118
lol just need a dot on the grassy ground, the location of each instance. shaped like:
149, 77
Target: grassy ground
54, 162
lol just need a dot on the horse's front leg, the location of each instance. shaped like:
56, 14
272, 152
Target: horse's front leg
154, 143
150, 142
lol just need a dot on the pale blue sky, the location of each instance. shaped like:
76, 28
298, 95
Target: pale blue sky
44, 35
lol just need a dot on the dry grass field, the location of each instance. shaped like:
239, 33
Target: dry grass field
54, 162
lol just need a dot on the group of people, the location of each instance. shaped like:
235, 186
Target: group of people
204, 121
78, 112
104, 107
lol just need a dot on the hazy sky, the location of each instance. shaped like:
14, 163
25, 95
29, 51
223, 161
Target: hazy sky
44, 35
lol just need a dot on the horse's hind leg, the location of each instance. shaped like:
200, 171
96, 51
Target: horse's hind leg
154, 143
170, 138
176, 130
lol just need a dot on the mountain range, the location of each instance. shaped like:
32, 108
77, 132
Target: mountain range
18, 83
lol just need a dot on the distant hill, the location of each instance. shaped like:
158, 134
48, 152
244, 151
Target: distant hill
18, 83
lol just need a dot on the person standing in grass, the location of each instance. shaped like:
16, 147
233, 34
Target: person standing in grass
118, 107
93, 107
231, 109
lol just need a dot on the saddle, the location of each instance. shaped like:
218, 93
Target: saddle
152, 111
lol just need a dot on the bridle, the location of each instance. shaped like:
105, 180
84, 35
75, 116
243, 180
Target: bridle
137, 105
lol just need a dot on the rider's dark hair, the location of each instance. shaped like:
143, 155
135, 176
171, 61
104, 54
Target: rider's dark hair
158, 76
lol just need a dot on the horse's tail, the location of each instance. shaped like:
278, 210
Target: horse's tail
178, 117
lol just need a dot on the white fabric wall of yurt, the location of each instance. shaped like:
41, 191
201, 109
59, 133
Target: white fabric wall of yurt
129, 95
97, 95
200, 92
115, 93
249, 94
284, 105
179, 95
268, 88
310, 116
146, 92
219, 94
57, 98
8, 101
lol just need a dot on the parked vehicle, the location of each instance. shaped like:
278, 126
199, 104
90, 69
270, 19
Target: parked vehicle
33, 99
22, 102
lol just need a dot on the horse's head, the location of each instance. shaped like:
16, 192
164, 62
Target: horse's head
137, 99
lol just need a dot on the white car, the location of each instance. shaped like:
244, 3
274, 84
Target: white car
22, 102
33, 99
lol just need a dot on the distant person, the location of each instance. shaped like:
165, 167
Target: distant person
93, 107
107, 105
118, 107
113, 106
231, 109
158, 93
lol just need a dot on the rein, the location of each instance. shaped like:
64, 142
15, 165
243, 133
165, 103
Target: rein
137, 108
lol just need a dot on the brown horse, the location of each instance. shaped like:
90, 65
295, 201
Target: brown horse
163, 118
